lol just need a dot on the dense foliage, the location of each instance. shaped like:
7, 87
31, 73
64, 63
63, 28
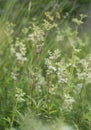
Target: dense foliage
45, 69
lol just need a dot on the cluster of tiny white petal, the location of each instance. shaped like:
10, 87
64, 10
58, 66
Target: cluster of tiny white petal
51, 61
62, 73
37, 80
85, 75
56, 66
37, 37
68, 102
19, 95
19, 51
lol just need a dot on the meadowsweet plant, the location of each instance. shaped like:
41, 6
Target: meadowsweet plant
45, 74
19, 95
19, 51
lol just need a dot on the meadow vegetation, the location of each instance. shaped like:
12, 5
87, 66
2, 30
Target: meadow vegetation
45, 73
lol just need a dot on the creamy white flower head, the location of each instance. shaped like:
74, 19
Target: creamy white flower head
20, 57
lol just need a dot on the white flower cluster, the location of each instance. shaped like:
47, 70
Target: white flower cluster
14, 75
19, 95
9, 29
19, 51
68, 102
48, 26
37, 37
37, 80
49, 22
62, 73
85, 75
7, 32
51, 61
55, 66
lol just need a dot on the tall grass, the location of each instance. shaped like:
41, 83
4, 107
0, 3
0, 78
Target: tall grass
45, 72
